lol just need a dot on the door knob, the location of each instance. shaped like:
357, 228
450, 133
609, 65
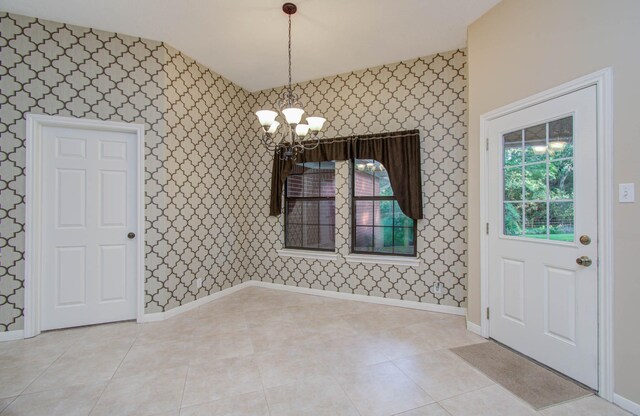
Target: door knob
584, 261
585, 240
131, 236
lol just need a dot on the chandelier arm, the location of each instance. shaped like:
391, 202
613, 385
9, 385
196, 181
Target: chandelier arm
316, 144
306, 144
272, 147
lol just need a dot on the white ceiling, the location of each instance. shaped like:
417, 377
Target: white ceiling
246, 40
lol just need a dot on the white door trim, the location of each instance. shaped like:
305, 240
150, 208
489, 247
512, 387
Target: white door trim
33, 219
602, 79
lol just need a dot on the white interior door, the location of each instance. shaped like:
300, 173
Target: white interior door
89, 207
543, 290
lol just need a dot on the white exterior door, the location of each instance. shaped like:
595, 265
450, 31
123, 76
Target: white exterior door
543, 259
89, 207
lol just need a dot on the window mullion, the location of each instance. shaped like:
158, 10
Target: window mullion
393, 228
376, 228
302, 226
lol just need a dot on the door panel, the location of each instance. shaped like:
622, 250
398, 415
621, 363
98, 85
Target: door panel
542, 193
113, 260
68, 147
71, 197
89, 264
114, 150
560, 305
70, 276
513, 289
113, 198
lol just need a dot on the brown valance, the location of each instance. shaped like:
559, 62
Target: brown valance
398, 152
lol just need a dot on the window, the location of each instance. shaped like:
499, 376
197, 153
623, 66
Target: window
379, 225
538, 181
310, 206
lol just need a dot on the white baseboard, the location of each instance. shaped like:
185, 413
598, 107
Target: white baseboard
160, 316
475, 328
431, 307
157, 316
11, 335
626, 404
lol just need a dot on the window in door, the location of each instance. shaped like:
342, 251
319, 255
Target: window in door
538, 198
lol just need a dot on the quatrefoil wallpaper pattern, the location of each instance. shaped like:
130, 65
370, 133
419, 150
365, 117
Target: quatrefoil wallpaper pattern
193, 161
207, 178
428, 94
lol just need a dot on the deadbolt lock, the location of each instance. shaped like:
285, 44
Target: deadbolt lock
584, 261
585, 240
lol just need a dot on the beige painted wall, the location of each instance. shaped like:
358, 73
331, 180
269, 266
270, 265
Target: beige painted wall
522, 47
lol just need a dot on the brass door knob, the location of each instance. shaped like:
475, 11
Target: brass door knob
584, 261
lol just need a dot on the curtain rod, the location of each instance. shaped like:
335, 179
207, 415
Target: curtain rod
405, 133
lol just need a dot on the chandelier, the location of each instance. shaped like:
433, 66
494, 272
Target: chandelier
295, 137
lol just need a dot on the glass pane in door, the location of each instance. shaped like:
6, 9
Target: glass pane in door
538, 181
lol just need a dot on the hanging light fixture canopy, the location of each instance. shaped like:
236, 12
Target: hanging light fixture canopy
295, 137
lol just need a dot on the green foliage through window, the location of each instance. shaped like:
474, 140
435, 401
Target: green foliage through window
379, 225
538, 181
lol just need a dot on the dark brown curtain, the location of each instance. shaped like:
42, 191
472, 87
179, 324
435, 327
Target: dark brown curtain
398, 152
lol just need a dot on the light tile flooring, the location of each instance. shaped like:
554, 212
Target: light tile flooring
262, 352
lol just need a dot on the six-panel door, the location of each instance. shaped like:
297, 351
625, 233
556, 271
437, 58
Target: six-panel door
89, 207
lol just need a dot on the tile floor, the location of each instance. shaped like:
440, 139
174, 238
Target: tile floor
261, 352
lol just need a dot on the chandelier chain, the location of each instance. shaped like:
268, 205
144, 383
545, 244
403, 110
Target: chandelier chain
297, 136
289, 53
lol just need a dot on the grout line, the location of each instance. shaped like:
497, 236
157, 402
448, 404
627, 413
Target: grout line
114, 373
413, 381
10, 401
264, 393
421, 407
99, 397
125, 356
347, 395
67, 349
462, 394
445, 410
184, 388
41, 373
447, 398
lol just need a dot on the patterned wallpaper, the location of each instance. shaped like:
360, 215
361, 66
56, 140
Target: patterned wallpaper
428, 94
207, 178
198, 232
194, 204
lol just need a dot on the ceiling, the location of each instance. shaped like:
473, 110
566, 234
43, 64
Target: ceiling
246, 40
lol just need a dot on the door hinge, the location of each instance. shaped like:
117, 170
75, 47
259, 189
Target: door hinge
487, 228
487, 313
487, 143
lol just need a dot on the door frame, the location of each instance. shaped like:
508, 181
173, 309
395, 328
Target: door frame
602, 80
33, 218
